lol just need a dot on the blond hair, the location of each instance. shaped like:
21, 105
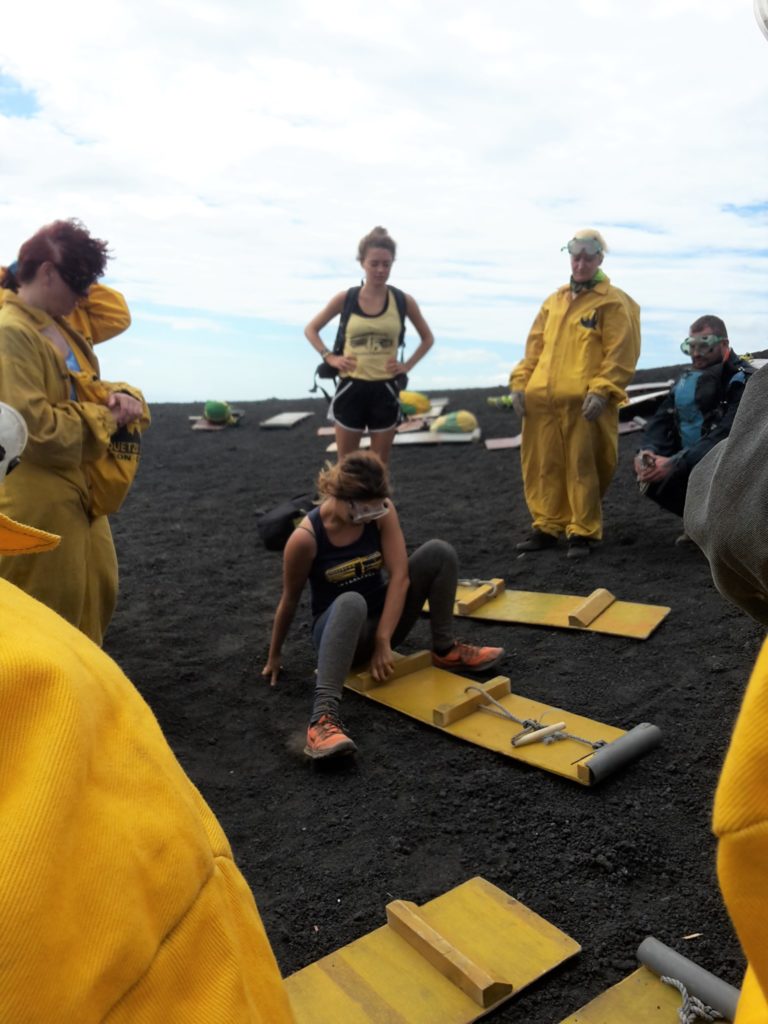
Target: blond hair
591, 233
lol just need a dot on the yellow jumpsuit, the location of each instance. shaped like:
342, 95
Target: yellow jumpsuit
590, 342
119, 898
741, 824
49, 489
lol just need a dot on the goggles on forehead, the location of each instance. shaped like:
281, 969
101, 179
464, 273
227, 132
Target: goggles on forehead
701, 343
588, 246
367, 511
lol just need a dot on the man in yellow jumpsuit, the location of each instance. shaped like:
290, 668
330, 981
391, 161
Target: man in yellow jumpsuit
580, 354
119, 898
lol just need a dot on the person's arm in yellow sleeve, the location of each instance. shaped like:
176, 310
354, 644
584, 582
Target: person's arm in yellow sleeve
741, 825
521, 373
58, 435
101, 315
621, 350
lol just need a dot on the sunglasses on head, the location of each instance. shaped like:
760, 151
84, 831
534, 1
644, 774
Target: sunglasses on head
367, 511
702, 343
79, 283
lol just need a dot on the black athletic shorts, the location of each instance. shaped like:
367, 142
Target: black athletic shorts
366, 404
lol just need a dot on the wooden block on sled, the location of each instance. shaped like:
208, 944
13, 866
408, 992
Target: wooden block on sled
643, 996
451, 960
462, 708
598, 612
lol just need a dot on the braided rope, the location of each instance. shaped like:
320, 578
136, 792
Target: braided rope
692, 1008
530, 724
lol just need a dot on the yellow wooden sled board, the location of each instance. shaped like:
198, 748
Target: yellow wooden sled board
419, 693
640, 997
621, 618
382, 977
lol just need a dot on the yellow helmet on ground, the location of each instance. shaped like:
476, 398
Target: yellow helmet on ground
461, 422
413, 403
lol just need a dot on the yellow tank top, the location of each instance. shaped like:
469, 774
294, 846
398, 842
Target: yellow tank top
372, 341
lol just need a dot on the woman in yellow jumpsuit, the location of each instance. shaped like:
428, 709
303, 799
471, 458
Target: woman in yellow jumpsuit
119, 897
38, 349
580, 354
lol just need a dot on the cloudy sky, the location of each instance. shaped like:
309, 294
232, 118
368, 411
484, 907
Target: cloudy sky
233, 153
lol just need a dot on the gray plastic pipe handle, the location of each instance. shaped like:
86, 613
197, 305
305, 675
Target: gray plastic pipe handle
700, 983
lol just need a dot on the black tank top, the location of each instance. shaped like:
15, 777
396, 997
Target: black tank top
357, 566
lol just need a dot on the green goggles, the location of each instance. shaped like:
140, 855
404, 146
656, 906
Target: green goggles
701, 343
588, 246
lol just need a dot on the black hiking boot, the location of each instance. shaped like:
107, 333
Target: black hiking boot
537, 540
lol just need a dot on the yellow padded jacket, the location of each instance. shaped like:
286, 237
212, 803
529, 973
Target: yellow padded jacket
741, 824
63, 435
119, 899
101, 315
589, 343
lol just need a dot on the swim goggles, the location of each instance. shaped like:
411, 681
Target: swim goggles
701, 343
367, 511
588, 246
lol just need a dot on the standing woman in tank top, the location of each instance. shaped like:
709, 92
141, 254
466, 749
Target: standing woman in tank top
367, 395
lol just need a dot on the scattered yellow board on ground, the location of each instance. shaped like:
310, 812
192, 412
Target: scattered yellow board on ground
599, 612
452, 960
643, 996
465, 708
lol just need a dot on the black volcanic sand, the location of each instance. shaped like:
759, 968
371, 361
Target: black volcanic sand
418, 812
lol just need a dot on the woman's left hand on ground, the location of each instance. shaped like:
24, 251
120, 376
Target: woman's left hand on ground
272, 669
125, 408
382, 662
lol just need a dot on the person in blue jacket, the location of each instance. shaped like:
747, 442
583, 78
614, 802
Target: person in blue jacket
697, 413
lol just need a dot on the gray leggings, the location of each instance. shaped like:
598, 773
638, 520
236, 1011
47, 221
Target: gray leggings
344, 634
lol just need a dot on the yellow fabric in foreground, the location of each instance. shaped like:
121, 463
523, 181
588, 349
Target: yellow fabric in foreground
119, 897
741, 824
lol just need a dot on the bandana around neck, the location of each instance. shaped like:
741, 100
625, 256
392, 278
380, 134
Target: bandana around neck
585, 286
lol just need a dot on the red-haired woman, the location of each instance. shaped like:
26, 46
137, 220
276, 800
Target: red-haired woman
367, 395
367, 594
40, 358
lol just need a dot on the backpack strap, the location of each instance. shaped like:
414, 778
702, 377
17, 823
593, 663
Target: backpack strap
349, 304
400, 303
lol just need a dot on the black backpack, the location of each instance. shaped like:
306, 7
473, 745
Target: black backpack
326, 372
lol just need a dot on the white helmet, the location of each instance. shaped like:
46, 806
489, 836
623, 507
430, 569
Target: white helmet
13, 438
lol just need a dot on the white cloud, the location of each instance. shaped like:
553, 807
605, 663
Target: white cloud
233, 153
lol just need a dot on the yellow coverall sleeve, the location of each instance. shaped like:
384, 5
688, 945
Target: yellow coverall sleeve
61, 436
119, 897
741, 824
621, 348
521, 373
102, 315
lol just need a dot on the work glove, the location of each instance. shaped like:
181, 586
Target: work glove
518, 402
593, 406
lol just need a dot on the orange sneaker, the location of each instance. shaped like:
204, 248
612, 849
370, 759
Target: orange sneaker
326, 738
467, 658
